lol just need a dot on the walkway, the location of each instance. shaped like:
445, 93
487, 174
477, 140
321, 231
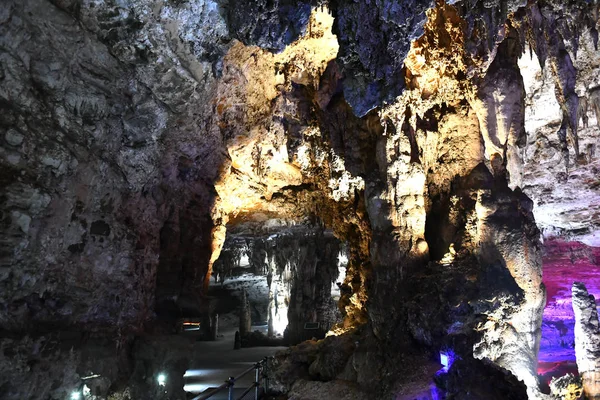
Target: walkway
214, 362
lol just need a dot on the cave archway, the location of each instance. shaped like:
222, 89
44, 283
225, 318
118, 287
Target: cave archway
285, 275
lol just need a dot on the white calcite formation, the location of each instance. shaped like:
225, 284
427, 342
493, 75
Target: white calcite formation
587, 340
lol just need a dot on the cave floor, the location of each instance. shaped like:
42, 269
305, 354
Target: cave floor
214, 361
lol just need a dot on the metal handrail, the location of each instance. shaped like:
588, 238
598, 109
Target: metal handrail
230, 383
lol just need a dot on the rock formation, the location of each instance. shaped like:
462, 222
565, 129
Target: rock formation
301, 265
137, 137
567, 387
587, 340
245, 316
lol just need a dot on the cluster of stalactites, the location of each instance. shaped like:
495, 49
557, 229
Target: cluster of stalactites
449, 51
554, 38
290, 252
230, 258
278, 253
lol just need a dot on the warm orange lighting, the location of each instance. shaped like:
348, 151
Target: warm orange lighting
260, 162
449, 256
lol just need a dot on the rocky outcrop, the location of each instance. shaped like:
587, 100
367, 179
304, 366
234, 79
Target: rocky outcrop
567, 387
587, 340
374, 72
269, 25
93, 217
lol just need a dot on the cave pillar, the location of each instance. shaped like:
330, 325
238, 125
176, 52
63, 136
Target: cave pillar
397, 212
245, 315
218, 235
214, 326
509, 240
587, 340
271, 302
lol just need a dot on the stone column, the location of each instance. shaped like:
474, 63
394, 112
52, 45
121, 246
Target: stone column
271, 303
587, 340
214, 326
245, 316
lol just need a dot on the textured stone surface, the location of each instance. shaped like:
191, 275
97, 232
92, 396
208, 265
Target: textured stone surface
567, 387
62, 201
374, 72
565, 193
587, 340
269, 25
90, 168
135, 134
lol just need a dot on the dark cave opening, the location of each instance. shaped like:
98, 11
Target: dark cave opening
290, 274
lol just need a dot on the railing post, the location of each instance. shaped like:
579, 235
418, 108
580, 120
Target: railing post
256, 382
266, 375
231, 383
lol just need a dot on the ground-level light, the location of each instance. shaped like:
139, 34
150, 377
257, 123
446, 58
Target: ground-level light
446, 359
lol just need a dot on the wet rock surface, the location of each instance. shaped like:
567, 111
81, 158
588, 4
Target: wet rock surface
135, 134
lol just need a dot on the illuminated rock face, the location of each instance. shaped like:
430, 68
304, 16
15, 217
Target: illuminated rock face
136, 134
562, 186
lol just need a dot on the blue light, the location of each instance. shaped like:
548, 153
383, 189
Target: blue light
446, 359
436, 394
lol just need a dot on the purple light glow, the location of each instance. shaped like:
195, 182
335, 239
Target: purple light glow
564, 263
436, 394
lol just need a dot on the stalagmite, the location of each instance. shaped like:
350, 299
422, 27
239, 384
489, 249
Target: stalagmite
587, 340
245, 315
214, 326
594, 103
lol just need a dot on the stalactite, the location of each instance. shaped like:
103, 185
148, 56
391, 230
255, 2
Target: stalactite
547, 35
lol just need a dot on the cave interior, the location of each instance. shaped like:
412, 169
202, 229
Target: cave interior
390, 199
